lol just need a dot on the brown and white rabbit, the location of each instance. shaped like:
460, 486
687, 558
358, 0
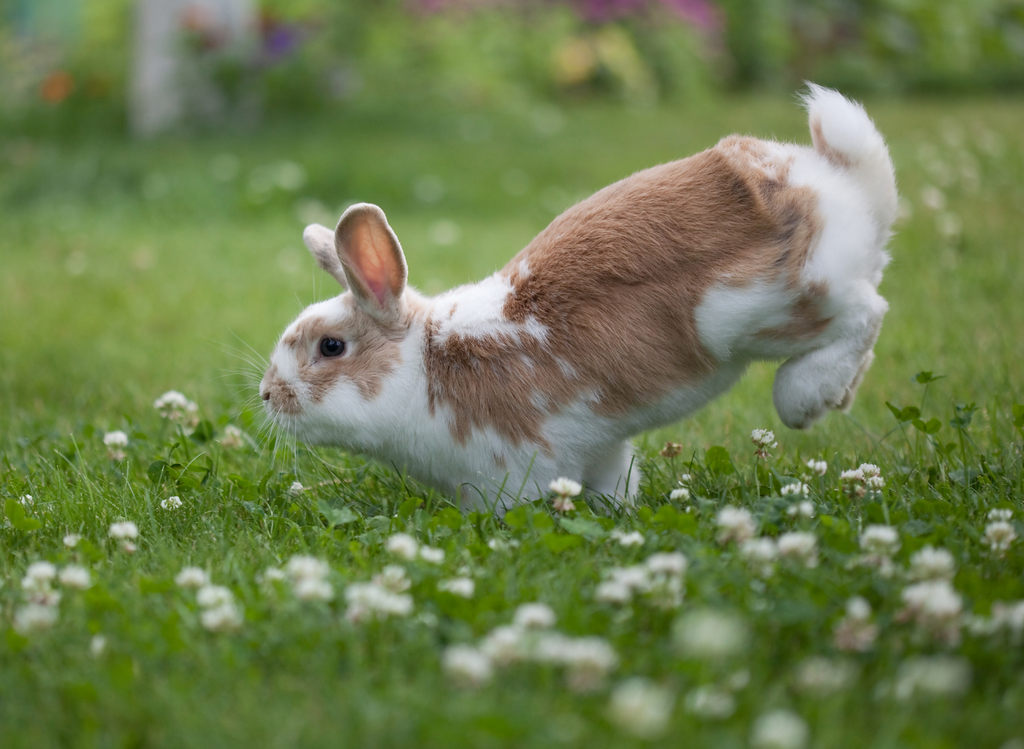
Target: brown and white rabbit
631, 310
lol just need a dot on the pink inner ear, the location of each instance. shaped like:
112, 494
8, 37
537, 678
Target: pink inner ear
370, 257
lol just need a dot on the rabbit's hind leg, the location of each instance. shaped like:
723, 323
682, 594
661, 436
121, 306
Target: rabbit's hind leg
827, 377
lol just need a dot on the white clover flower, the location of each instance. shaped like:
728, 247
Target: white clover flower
853, 475
34, 617
935, 608
302, 567
1008, 616
73, 576
125, 530
403, 546
1002, 514
116, 442
212, 596
175, 406
44, 596
819, 467
869, 470
115, 439
71, 540
587, 659
501, 544
613, 591
932, 676
464, 587
128, 547
855, 632
819, 676
295, 489
39, 575
679, 494
25, 500
930, 563
737, 525
431, 554
858, 608
761, 554
637, 578
564, 489
534, 616
171, 503
273, 575
779, 729
709, 634
393, 578
880, 539
667, 563
634, 538
371, 601
313, 589
505, 644
803, 509
798, 489
192, 577
999, 535
671, 450
641, 707
666, 592
467, 665
233, 437
97, 645
562, 504
763, 439
799, 545
225, 617
685, 478
710, 702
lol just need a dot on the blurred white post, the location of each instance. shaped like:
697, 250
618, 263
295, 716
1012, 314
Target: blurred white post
166, 83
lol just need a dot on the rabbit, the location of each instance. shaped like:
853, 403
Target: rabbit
630, 311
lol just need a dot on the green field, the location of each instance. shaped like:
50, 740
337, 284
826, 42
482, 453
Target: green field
130, 269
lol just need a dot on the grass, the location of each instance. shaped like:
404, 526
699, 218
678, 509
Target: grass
133, 268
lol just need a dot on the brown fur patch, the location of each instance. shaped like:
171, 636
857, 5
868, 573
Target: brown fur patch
372, 356
805, 318
823, 148
616, 281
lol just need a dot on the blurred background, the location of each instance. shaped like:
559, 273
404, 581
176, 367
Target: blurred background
148, 66
159, 159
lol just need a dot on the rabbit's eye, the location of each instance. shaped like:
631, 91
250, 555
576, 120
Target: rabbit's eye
332, 347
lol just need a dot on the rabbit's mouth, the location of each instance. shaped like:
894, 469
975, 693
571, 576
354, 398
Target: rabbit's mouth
279, 397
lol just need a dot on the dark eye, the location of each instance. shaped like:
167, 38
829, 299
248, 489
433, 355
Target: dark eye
332, 347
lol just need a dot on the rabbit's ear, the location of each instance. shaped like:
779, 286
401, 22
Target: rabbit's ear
373, 261
320, 241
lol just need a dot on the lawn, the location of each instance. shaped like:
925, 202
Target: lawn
806, 610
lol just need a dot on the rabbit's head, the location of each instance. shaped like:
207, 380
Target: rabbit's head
329, 372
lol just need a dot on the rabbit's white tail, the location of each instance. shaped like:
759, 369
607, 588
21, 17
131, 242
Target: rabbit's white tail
844, 134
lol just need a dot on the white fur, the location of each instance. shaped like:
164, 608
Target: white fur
476, 310
856, 203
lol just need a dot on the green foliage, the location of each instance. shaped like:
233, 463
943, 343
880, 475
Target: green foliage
407, 52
